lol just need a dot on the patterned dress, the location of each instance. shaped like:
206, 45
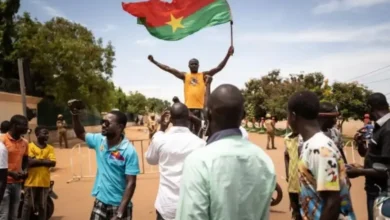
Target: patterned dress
321, 168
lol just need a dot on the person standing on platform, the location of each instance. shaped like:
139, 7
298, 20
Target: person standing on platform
194, 84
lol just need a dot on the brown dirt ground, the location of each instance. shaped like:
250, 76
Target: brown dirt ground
75, 201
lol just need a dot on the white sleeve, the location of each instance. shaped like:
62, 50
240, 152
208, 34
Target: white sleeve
152, 154
3, 156
244, 133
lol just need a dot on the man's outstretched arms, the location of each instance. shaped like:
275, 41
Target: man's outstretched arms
217, 69
168, 69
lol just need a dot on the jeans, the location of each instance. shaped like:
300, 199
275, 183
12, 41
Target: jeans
370, 205
35, 201
10, 205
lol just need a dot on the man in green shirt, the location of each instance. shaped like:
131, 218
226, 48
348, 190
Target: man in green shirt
231, 178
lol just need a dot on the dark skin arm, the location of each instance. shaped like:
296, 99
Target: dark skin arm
217, 69
331, 208
25, 162
3, 181
166, 68
286, 163
129, 191
32, 162
78, 127
360, 144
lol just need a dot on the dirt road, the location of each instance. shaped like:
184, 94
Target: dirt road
75, 201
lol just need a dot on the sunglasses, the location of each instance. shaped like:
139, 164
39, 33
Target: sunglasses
105, 122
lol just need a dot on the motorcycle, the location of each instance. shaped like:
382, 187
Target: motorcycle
382, 203
49, 206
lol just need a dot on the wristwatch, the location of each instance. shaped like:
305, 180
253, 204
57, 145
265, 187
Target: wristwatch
119, 215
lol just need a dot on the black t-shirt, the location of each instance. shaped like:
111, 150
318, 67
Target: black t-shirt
378, 151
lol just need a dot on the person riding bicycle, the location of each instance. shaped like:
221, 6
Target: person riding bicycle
194, 83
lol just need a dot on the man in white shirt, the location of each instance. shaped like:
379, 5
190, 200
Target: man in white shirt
168, 150
230, 178
3, 169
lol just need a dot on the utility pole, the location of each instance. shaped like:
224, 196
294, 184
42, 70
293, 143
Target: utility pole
22, 86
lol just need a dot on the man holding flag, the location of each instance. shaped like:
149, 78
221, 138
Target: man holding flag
177, 20
194, 83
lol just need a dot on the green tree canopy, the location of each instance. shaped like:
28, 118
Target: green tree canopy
66, 60
270, 94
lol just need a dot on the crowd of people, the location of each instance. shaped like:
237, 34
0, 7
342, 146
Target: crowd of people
221, 177
24, 166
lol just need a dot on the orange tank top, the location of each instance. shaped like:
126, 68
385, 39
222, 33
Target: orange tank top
194, 90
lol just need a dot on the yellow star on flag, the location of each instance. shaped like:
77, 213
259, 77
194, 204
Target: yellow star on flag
175, 23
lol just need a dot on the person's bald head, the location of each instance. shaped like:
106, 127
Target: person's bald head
225, 107
179, 114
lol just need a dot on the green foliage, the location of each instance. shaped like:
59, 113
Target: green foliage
270, 94
66, 60
350, 99
157, 105
8, 9
137, 103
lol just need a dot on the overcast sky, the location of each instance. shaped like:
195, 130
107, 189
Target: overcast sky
341, 38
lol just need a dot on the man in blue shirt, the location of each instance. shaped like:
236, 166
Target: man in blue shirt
117, 163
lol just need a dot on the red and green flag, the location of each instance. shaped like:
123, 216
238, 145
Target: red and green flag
180, 18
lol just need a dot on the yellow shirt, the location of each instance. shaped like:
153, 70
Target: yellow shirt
39, 176
292, 145
194, 90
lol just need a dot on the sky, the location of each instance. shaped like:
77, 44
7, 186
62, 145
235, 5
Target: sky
343, 39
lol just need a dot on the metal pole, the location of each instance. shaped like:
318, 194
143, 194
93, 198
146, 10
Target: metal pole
22, 86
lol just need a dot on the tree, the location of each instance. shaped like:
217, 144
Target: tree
351, 100
66, 60
8, 9
157, 105
121, 101
136, 103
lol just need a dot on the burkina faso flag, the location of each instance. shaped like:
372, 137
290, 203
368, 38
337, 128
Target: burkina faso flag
180, 18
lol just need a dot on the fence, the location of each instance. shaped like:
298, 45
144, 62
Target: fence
83, 164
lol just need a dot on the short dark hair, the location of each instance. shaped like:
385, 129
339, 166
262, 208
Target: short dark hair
327, 107
378, 101
39, 128
5, 126
18, 119
304, 104
121, 117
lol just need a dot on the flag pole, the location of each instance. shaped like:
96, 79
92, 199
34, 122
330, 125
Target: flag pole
231, 32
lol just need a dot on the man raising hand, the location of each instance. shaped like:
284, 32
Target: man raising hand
194, 83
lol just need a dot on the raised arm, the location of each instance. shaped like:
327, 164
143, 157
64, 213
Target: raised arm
77, 126
217, 69
166, 68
